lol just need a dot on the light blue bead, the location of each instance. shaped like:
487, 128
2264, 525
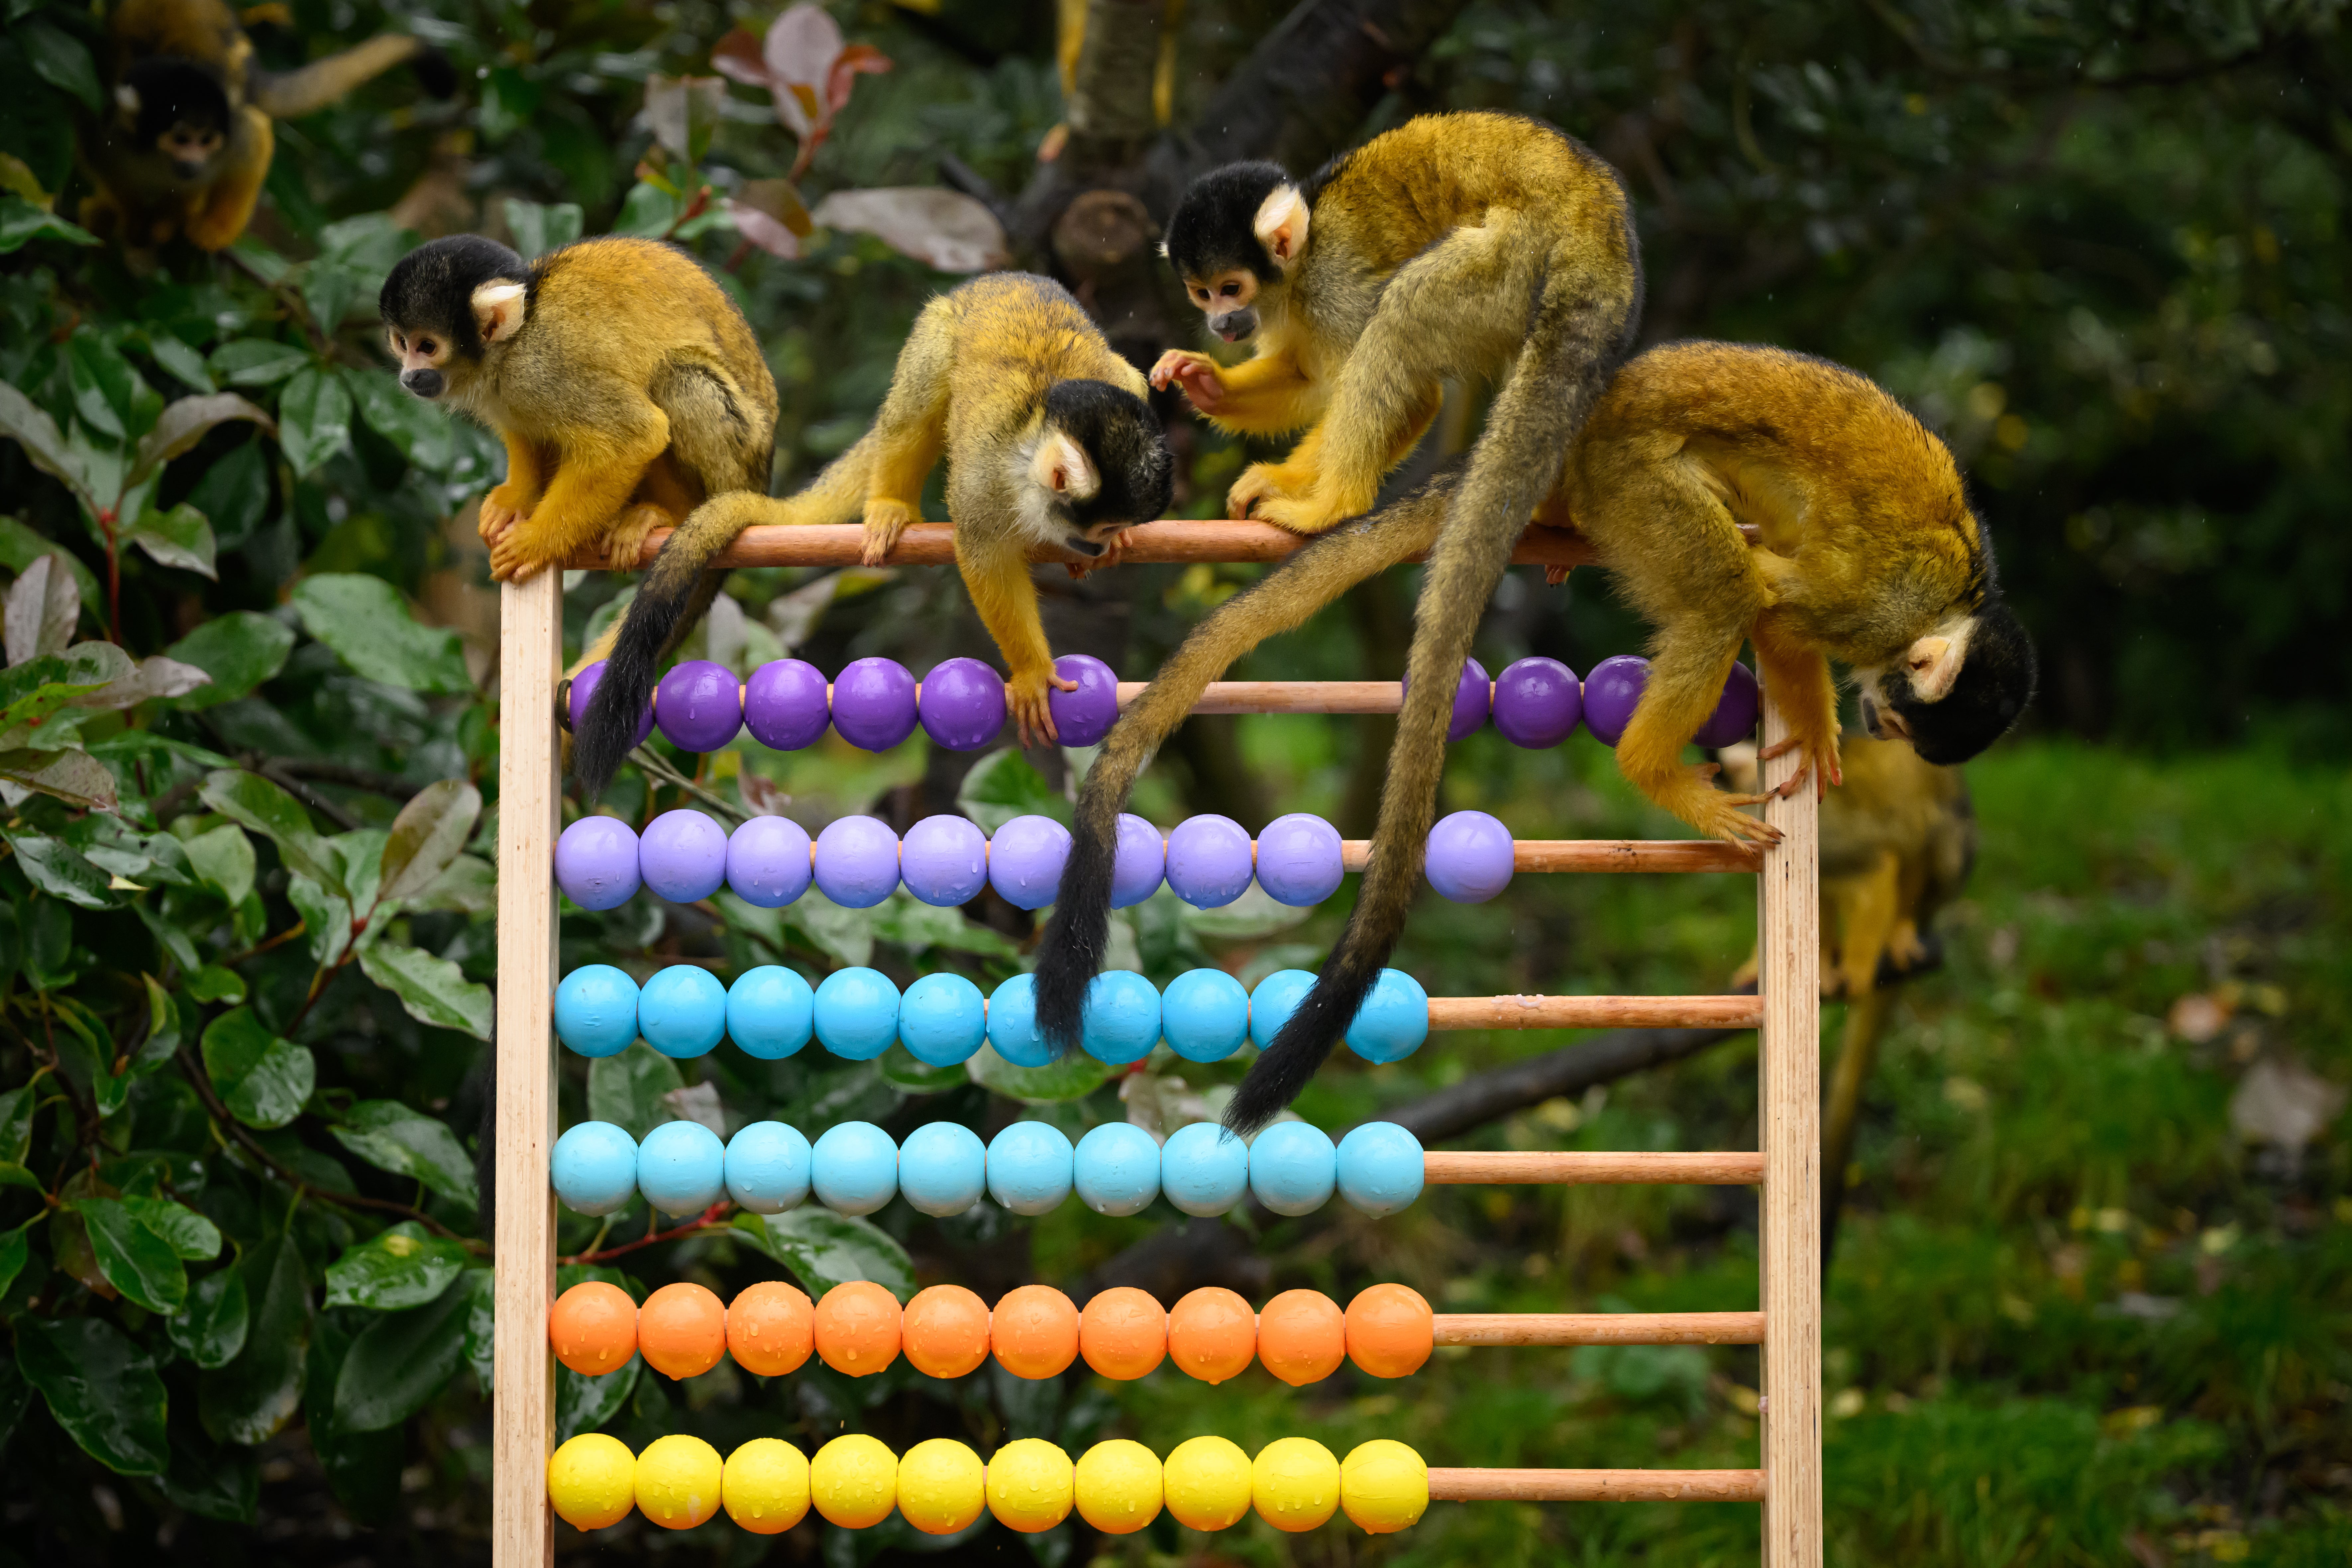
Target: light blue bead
682, 1011
1012, 1024
1119, 1023
596, 1010
769, 1012
768, 1167
854, 1169
1380, 1168
1393, 1020
942, 1019
1116, 1169
942, 1167
682, 1168
1292, 1167
1204, 1015
1275, 1000
1029, 1167
1204, 1169
595, 1168
856, 1014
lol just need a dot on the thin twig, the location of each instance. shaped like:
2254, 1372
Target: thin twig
709, 1220
307, 796
644, 757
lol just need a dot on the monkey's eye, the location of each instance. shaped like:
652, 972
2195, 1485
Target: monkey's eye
425, 346
1229, 290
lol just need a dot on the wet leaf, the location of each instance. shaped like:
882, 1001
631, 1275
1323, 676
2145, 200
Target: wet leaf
99, 1386
824, 1249
210, 1330
44, 605
631, 1090
254, 802
434, 991
1074, 1076
403, 1266
262, 1079
426, 836
240, 650
362, 619
399, 1361
389, 1136
252, 1398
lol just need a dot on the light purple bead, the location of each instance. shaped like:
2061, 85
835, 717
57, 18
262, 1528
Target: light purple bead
683, 855
783, 704
1469, 857
584, 686
1610, 693
1143, 858
596, 863
961, 704
1734, 718
1537, 703
1024, 860
1209, 861
1299, 859
856, 861
943, 860
768, 861
1084, 717
874, 704
698, 705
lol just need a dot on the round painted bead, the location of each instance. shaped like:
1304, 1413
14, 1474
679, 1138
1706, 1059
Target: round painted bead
682, 1011
768, 861
853, 1168
682, 1168
1537, 703
873, 703
856, 861
596, 863
961, 704
1471, 695
595, 1168
596, 1010
1013, 1031
1299, 859
856, 1014
1029, 1167
1204, 1169
1120, 1486
1392, 1021
768, 1167
943, 860
1142, 860
1119, 1021
1469, 856
584, 688
1292, 1167
942, 1019
1295, 1484
1275, 1000
1380, 1168
683, 856
1082, 717
784, 704
1734, 718
1204, 1015
769, 1012
1025, 861
1384, 1487
942, 1167
1610, 693
698, 705
1116, 1168
1209, 861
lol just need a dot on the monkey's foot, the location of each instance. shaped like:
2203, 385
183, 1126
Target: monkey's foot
885, 522
1315, 512
502, 508
516, 558
1718, 815
1025, 695
1264, 489
1086, 566
1200, 377
1904, 948
1820, 763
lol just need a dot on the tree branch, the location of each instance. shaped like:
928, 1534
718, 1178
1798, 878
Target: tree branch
1110, 101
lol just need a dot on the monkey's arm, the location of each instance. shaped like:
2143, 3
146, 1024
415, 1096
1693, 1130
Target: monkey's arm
228, 205
516, 496
996, 575
1798, 675
600, 461
1262, 396
1297, 473
909, 434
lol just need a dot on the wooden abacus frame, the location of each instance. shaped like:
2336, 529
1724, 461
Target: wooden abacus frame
1788, 1480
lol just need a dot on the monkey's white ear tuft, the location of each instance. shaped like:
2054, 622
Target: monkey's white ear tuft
1934, 663
1062, 466
126, 99
1281, 225
499, 310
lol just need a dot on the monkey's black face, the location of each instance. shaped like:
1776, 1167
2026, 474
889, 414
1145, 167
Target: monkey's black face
1987, 696
178, 108
1133, 477
428, 315
1226, 300
1213, 244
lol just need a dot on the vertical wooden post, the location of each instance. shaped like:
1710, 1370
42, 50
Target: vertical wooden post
1788, 938
523, 1395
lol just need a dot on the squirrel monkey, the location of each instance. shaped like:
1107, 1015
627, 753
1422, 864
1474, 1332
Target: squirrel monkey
1049, 442
624, 382
185, 141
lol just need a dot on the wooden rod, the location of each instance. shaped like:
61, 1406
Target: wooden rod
1596, 1486
1287, 696
1593, 1012
1531, 1167
1590, 854
1598, 1328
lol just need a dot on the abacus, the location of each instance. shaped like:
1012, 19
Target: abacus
1205, 1482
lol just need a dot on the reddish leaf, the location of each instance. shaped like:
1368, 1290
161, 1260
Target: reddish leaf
800, 50
778, 200
857, 60
762, 230
945, 229
681, 111
738, 58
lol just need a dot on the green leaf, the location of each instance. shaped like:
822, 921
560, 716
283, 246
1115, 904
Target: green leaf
392, 1137
236, 493
586, 1404
110, 395
73, 777
23, 222
399, 1361
538, 229
16, 1109
190, 1235
186, 422
20, 546
362, 619
326, 920
314, 418
264, 1080
240, 650
426, 836
213, 983
363, 1467
482, 1323
256, 361
44, 607
1004, 784
61, 871
1074, 1076
15, 1248
177, 358
101, 1387
470, 886
901, 1068
434, 991
255, 803
134, 1259
209, 1479
210, 1330
33, 429
649, 212
844, 935
422, 432
60, 60
180, 537
629, 1090
824, 1249
223, 860
919, 927
252, 1398
404, 1267
163, 1033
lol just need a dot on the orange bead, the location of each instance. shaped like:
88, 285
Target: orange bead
945, 1331
768, 1328
1302, 1337
1036, 1332
1389, 1331
856, 1328
682, 1331
594, 1328
1123, 1333
1213, 1335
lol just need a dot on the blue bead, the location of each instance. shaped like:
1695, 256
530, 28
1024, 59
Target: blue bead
856, 1014
942, 1167
682, 1011
1275, 1000
595, 1168
1140, 862
768, 1167
1116, 1169
1292, 1167
1204, 1169
769, 1012
682, 1168
596, 1010
942, 1019
1012, 1024
1204, 1015
1380, 1168
1119, 1021
854, 1169
1029, 1167
1392, 1021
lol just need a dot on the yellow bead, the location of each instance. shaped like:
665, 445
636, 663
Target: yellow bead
853, 1481
1383, 1485
1030, 1485
591, 1481
678, 1480
1118, 1486
766, 1486
942, 1486
1207, 1483
1295, 1484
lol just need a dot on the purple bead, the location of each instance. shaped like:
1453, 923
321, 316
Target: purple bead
768, 861
1734, 718
1610, 693
596, 863
1299, 859
698, 705
683, 855
1470, 699
856, 861
961, 704
943, 860
783, 704
1537, 703
1469, 857
1209, 861
1143, 858
874, 704
1082, 717
1024, 860
584, 686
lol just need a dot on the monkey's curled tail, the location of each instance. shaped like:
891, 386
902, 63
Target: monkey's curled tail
1579, 330
290, 95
